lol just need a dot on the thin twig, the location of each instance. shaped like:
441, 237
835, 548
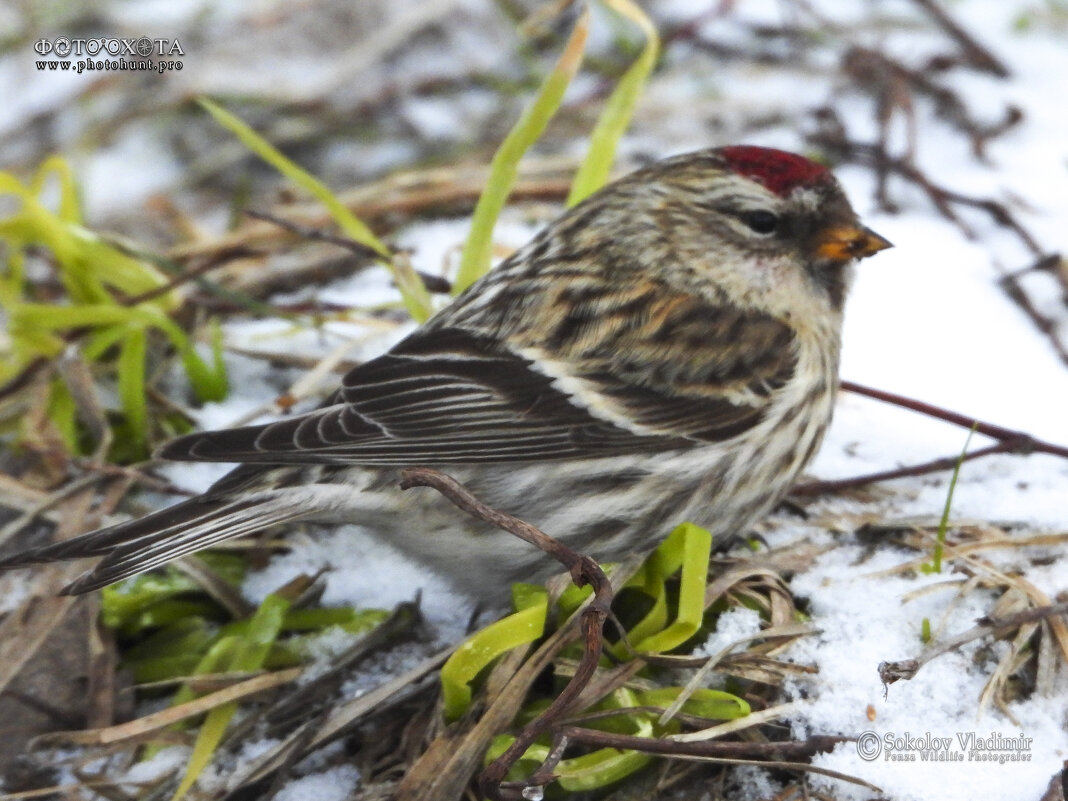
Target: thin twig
977, 55
775, 754
31, 369
831, 136
215, 260
433, 283
943, 199
733, 749
906, 669
1009, 441
1020, 441
584, 570
920, 469
1047, 326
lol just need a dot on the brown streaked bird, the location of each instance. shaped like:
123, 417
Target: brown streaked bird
666, 350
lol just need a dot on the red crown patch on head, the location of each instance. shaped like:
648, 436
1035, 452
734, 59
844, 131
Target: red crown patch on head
778, 170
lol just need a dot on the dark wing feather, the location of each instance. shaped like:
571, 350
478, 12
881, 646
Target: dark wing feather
683, 373
447, 395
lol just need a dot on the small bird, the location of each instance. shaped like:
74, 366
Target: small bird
667, 350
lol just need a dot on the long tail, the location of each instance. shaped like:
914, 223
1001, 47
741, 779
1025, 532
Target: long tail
138, 545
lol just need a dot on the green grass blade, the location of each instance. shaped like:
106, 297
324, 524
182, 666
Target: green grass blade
69, 204
612, 124
687, 547
703, 702
477, 651
263, 630
12, 278
131, 380
478, 249
209, 381
97, 277
208, 738
599, 769
87, 263
354, 621
249, 653
691, 548
352, 226
935, 565
416, 298
45, 317
63, 412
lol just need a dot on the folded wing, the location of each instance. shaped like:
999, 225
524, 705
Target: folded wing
449, 395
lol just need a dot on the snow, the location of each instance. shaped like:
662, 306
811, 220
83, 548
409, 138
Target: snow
925, 320
365, 573
732, 629
335, 784
166, 760
864, 620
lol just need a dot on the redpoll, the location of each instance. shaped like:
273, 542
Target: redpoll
666, 350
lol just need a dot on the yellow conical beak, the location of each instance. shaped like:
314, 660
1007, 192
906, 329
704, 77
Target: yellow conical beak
846, 242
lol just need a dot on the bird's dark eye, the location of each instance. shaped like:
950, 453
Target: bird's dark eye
760, 221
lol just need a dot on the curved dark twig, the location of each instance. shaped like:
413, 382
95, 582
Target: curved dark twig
1008, 441
584, 570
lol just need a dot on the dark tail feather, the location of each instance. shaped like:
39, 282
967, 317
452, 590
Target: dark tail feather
138, 545
99, 542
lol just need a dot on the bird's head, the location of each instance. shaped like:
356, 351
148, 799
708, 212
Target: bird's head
771, 230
